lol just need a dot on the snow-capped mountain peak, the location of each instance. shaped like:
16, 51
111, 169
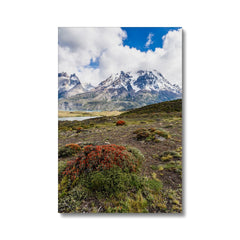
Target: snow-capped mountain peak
139, 80
120, 91
68, 85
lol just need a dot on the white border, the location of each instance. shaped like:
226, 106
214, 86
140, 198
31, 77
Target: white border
29, 114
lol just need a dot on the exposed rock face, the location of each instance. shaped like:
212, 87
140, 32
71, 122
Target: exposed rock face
123, 91
68, 85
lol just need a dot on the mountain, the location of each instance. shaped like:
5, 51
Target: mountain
88, 86
124, 90
69, 85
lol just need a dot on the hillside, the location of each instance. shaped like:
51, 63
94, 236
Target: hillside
167, 107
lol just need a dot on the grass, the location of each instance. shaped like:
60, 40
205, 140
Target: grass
62, 114
166, 107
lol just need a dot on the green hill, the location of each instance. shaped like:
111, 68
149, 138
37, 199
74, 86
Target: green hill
165, 107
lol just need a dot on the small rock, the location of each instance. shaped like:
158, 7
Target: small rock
160, 138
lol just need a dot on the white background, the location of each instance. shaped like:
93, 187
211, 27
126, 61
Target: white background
28, 98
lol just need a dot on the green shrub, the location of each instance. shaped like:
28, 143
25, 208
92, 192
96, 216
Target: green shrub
150, 134
162, 133
65, 152
154, 184
139, 130
143, 134
112, 181
68, 150
61, 167
152, 129
137, 154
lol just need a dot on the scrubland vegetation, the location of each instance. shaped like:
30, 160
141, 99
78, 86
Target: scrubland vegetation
130, 163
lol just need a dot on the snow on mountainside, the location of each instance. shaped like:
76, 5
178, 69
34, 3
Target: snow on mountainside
69, 85
121, 91
140, 80
88, 86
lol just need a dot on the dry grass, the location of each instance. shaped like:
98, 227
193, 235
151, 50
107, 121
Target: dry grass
89, 114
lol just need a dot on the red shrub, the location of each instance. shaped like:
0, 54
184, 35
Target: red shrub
73, 146
79, 129
120, 123
98, 158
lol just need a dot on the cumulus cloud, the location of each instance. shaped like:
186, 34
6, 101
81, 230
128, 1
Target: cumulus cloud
149, 40
78, 47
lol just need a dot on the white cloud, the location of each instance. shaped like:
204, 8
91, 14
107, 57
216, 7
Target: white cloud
149, 40
77, 46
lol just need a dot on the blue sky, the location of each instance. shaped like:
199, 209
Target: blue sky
137, 36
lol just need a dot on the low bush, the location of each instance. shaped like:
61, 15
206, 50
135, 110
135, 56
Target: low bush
152, 129
137, 153
142, 135
113, 181
74, 147
61, 167
139, 130
162, 133
154, 184
68, 150
150, 134
100, 158
120, 123
79, 129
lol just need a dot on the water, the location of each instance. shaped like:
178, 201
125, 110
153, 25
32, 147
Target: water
74, 118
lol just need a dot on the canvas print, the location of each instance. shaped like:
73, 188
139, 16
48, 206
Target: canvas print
120, 120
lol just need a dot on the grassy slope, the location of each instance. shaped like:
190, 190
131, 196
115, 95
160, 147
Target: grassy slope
167, 107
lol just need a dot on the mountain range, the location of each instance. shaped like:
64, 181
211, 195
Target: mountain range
120, 91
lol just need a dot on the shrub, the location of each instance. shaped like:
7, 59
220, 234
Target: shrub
150, 134
65, 152
162, 133
79, 129
154, 184
68, 150
120, 123
61, 167
142, 135
136, 152
152, 129
100, 158
113, 180
74, 147
139, 130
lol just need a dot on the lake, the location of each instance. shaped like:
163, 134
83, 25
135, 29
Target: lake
74, 118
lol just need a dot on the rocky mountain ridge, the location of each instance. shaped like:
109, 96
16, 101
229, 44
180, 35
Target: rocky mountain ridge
120, 91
